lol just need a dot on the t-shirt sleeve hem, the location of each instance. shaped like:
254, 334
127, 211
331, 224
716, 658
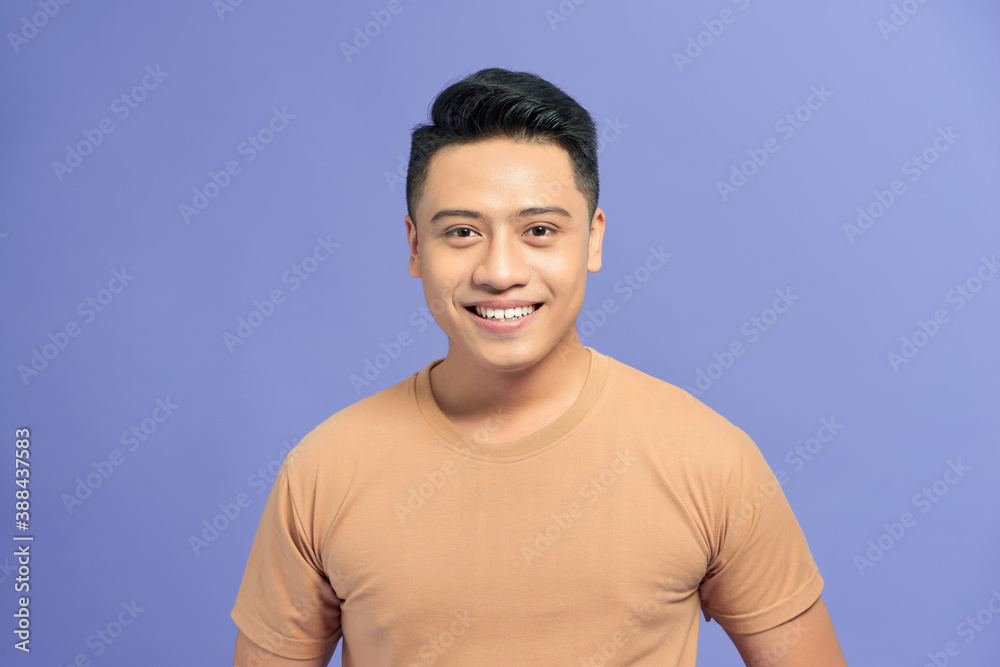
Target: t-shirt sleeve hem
775, 615
290, 648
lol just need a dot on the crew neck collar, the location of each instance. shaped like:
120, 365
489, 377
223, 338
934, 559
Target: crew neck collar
592, 394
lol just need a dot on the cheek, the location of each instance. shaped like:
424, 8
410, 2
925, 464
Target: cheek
439, 290
568, 274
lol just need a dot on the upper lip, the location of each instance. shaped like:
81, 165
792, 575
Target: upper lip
501, 304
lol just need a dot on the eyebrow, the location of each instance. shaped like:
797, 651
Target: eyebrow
523, 213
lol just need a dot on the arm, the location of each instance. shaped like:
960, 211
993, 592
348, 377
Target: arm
808, 639
286, 595
249, 654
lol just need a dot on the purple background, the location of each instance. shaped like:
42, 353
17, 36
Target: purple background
671, 133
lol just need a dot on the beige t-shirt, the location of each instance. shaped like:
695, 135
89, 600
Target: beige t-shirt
596, 540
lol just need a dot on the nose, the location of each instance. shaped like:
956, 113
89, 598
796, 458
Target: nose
503, 264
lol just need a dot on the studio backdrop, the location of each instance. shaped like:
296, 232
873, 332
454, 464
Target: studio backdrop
203, 256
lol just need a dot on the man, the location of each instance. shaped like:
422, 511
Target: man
526, 500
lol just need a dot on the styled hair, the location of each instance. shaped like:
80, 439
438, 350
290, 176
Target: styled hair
495, 103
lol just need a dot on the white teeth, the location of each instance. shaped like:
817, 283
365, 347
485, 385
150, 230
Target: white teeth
508, 314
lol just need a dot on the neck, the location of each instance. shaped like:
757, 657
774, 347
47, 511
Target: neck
466, 390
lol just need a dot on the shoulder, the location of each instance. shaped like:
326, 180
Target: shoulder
657, 405
336, 445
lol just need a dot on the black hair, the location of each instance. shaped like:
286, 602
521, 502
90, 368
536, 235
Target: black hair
494, 103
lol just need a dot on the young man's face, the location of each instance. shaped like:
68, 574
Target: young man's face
502, 223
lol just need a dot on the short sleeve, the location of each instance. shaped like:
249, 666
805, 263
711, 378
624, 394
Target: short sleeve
762, 573
286, 603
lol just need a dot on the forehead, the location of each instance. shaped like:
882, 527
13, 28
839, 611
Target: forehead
501, 173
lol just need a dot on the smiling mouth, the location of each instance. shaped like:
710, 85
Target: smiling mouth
503, 315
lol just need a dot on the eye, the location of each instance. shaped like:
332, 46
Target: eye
451, 232
543, 228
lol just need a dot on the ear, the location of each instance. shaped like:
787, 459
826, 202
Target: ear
595, 241
411, 239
